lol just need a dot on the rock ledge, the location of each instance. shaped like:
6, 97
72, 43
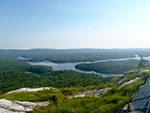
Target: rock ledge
7, 106
141, 102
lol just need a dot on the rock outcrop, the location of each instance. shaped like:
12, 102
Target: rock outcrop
130, 82
119, 80
7, 106
141, 102
140, 72
28, 90
90, 93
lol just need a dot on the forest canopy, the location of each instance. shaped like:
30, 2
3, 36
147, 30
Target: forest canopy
16, 74
111, 67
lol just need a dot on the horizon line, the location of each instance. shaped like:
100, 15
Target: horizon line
68, 48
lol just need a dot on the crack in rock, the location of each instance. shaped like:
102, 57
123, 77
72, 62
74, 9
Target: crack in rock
141, 102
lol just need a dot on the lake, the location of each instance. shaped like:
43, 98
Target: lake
71, 66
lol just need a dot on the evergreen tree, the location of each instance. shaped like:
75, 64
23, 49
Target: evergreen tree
142, 63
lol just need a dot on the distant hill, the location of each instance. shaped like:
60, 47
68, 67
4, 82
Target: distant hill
74, 55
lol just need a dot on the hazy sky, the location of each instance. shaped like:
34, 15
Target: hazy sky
65, 24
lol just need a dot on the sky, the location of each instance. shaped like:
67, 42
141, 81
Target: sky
73, 24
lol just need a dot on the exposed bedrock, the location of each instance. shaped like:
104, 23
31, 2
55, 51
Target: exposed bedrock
7, 106
141, 102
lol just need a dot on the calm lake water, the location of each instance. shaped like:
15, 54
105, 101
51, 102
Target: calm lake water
71, 66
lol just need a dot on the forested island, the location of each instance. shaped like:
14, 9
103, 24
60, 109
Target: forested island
110, 67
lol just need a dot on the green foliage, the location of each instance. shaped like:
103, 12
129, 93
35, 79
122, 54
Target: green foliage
75, 90
39, 69
16, 74
143, 63
45, 95
111, 67
129, 77
115, 78
130, 89
129, 72
145, 68
111, 102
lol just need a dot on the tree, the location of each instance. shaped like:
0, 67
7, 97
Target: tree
142, 63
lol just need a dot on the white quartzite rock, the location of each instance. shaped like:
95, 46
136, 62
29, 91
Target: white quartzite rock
140, 72
7, 106
90, 93
28, 90
130, 82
